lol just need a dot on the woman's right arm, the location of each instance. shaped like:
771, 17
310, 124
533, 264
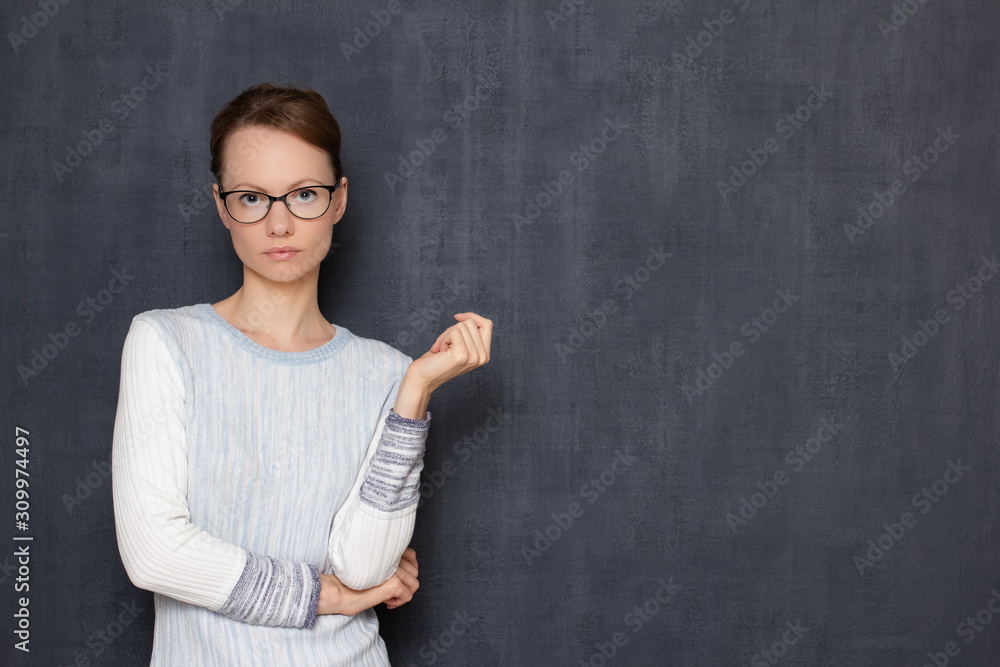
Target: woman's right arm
161, 549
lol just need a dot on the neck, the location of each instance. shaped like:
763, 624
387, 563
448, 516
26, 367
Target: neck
283, 313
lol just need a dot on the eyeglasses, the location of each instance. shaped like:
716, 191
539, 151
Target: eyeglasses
308, 203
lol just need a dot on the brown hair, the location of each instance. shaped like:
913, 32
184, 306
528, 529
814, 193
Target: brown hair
301, 111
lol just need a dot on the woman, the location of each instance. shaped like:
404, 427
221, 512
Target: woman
266, 462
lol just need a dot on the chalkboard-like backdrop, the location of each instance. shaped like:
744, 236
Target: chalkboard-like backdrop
741, 257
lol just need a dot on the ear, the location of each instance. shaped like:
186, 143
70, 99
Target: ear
340, 200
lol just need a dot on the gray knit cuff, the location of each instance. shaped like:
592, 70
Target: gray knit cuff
393, 479
274, 592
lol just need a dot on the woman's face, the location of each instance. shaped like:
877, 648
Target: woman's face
273, 162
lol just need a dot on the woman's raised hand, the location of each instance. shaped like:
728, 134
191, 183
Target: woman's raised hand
336, 598
459, 349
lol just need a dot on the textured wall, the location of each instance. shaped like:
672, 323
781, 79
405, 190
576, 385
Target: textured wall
741, 261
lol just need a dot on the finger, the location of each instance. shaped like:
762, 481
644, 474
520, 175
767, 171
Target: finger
484, 325
479, 319
407, 573
477, 341
392, 590
408, 567
445, 337
409, 581
413, 557
457, 336
395, 602
405, 590
410, 562
468, 338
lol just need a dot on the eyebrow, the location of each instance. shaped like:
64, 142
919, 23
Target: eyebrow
257, 188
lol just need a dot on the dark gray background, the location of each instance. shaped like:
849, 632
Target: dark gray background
548, 87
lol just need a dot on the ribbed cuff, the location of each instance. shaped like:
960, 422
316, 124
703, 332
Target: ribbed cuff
394, 419
314, 601
274, 592
393, 479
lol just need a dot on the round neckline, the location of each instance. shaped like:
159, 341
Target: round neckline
324, 351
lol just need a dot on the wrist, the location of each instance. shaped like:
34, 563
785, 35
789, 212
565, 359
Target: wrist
329, 595
412, 398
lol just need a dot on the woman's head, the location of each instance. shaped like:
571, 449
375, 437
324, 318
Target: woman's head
272, 140
302, 112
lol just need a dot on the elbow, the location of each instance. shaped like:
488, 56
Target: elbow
359, 579
147, 561
139, 573
141, 578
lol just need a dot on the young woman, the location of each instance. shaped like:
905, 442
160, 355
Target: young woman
265, 461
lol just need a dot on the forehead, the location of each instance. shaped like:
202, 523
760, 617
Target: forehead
267, 153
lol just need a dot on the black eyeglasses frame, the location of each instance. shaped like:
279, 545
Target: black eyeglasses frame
271, 199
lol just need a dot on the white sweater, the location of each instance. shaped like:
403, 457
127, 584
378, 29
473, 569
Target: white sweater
241, 472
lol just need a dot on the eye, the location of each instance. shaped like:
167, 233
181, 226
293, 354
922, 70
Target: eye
305, 195
249, 198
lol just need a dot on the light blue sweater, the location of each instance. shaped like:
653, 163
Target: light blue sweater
240, 473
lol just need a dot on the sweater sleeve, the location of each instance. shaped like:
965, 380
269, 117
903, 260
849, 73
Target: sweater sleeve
162, 550
374, 525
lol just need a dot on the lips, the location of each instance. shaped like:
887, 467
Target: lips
282, 252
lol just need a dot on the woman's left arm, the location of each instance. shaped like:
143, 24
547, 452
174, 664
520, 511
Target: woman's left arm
373, 528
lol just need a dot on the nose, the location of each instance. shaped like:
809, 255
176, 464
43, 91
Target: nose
279, 219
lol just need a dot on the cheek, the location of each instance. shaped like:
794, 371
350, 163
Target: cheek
241, 239
324, 234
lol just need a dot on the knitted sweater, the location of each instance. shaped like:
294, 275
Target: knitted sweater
241, 472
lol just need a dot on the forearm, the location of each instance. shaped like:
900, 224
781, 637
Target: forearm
373, 528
